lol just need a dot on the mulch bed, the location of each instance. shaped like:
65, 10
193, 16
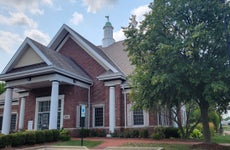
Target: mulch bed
210, 146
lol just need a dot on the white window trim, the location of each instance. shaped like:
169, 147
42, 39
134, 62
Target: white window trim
130, 114
12, 113
98, 106
48, 98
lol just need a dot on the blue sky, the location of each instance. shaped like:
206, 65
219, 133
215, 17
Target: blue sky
41, 19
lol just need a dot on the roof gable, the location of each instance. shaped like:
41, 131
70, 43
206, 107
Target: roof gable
28, 54
92, 50
28, 58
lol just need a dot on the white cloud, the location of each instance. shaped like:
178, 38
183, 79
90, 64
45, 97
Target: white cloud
96, 5
38, 36
9, 41
33, 6
119, 35
140, 11
76, 18
18, 18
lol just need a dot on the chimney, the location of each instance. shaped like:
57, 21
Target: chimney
108, 34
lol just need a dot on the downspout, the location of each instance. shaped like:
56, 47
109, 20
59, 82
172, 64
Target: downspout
125, 119
89, 107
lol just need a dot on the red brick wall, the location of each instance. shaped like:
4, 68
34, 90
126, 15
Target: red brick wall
98, 93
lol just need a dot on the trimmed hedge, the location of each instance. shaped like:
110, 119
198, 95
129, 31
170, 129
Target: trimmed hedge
31, 137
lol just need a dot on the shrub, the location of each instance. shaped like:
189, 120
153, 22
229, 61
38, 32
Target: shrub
98, 133
7, 140
64, 135
171, 132
48, 135
18, 139
30, 137
144, 133
40, 137
55, 134
158, 136
135, 133
126, 133
196, 134
85, 132
158, 133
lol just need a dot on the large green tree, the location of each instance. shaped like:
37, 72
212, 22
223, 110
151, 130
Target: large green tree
2, 87
181, 55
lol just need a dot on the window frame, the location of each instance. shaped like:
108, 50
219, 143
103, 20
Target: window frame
103, 115
48, 98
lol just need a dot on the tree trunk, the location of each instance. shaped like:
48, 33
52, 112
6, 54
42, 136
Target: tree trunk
204, 119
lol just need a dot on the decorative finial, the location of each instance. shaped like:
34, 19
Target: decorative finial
107, 18
133, 21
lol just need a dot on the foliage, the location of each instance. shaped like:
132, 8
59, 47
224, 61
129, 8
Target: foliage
64, 135
40, 137
144, 133
215, 119
181, 55
196, 134
98, 132
158, 133
171, 132
135, 133
28, 138
2, 87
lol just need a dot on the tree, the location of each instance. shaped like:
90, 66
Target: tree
2, 87
181, 55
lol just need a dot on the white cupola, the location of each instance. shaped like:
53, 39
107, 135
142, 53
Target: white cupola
108, 34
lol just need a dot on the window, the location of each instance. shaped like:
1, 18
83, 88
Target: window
138, 117
43, 113
12, 123
98, 116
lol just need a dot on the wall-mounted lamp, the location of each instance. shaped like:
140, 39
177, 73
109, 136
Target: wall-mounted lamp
29, 79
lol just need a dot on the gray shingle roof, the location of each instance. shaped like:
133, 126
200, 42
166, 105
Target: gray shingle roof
119, 56
61, 61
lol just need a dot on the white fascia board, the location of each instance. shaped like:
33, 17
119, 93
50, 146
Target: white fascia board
112, 76
20, 51
11, 76
50, 78
16, 56
63, 27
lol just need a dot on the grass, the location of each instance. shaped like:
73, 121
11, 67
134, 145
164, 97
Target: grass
89, 144
221, 139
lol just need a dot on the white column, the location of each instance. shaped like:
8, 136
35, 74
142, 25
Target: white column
7, 111
112, 122
54, 105
22, 114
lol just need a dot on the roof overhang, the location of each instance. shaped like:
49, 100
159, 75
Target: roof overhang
43, 71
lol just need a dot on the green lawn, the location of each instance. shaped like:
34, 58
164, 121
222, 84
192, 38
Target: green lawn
86, 143
221, 139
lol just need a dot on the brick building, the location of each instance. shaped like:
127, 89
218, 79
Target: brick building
53, 82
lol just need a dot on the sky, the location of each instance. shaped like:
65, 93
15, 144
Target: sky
41, 20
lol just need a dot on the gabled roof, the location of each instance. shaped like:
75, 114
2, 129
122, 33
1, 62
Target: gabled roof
17, 56
90, 48
116, 52
53, 62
